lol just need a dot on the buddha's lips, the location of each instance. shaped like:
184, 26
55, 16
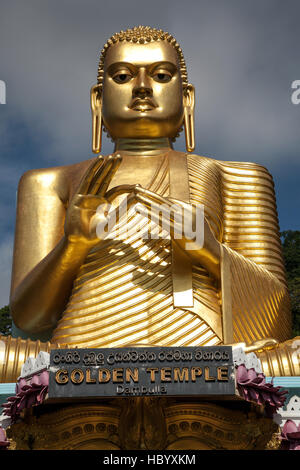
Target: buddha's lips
143, 104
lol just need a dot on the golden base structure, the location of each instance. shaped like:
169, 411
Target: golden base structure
145, 424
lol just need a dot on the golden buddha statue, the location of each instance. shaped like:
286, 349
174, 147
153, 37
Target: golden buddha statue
92, 292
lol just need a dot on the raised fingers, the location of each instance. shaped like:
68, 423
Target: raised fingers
89, 174
99, 175
104, 175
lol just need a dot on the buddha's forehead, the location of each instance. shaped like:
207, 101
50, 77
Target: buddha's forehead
141, 54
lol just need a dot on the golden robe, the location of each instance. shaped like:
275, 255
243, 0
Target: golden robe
123, 293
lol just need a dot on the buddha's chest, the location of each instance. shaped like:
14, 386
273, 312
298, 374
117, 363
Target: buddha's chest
141, 170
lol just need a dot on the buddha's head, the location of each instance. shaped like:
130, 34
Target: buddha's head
142, 89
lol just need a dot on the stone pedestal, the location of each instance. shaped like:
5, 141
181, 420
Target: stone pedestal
145, 423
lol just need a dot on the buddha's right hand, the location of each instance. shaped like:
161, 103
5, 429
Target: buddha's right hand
89, 205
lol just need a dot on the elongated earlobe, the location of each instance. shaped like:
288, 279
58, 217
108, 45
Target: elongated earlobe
189, 104
96, 107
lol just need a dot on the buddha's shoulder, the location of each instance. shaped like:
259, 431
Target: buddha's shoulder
59, 179
43, 175
230, 167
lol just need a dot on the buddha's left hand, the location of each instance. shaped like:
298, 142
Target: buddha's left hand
181, 219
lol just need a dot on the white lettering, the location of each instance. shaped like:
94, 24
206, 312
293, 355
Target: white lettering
158, 221
113, 460
172, 459
2, 92
296, 94
191, 460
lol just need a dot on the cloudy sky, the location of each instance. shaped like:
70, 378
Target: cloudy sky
242, 57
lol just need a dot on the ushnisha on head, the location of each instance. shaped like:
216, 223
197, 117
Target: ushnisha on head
142, 89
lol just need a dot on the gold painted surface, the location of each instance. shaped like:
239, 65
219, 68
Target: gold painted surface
208, 426
123, 293
260, 302
258, 295
15, 353
181, 263
144, 424
77, 427
112, 293
283, 360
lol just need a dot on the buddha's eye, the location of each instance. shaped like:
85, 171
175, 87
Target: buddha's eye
162, 77
122, 77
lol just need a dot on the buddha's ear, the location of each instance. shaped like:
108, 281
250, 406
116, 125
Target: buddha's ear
96, 107
189, 127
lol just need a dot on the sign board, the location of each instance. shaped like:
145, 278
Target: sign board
141, 371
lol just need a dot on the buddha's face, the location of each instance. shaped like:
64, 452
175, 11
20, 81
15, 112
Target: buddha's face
142, 91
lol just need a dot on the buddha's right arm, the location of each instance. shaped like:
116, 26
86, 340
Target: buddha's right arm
54, 233
38, 301
45, 260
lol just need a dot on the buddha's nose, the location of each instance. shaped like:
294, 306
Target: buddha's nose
142, 87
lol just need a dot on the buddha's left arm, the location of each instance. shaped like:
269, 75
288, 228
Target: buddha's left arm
241, 246
251, 264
